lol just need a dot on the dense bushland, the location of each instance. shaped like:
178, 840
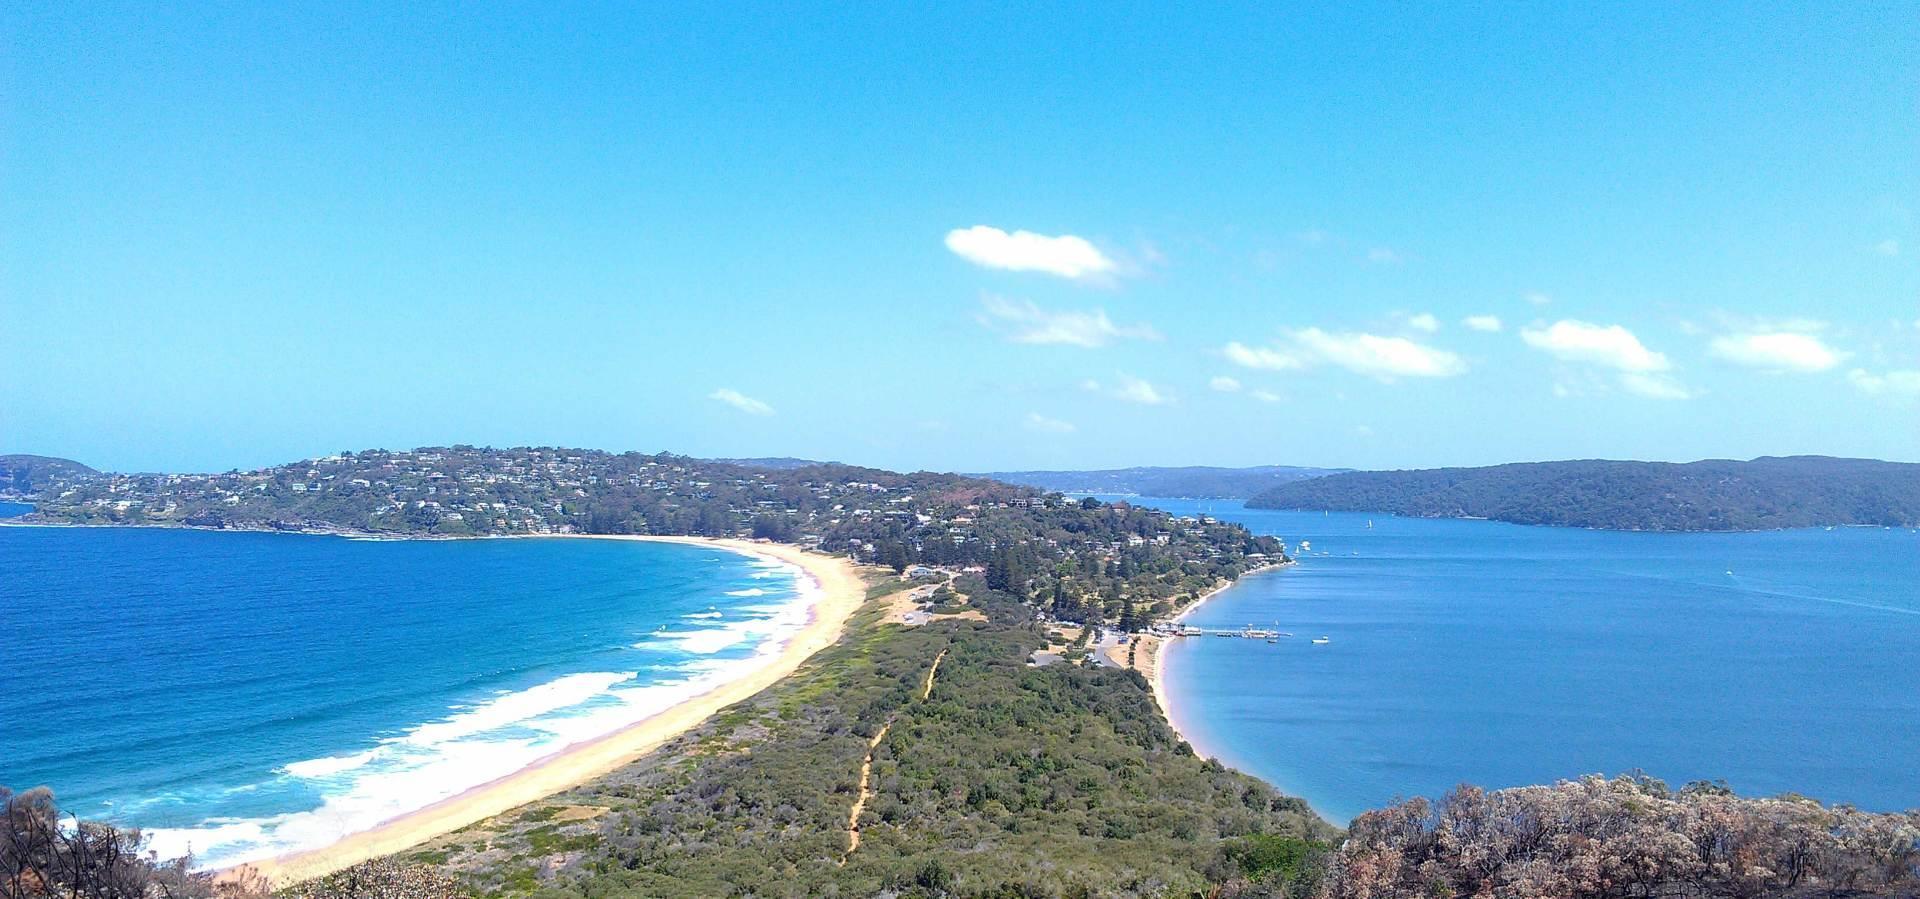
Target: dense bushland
1627, 837
1712, 495
1005, 780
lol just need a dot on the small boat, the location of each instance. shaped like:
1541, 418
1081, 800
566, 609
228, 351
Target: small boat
1321, 641
1272, 640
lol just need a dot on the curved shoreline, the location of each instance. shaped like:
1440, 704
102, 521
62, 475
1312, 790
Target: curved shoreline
1163, 658
840, 591
1157, 679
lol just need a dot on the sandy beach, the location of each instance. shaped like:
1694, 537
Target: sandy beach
1159, 658
840, 592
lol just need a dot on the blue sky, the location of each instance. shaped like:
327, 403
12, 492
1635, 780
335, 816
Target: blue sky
975, 238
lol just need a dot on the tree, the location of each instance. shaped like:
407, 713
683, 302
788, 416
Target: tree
40, 859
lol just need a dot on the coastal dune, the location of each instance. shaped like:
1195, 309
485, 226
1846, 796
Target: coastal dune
840, 591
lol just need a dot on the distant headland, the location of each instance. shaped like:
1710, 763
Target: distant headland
1768, 493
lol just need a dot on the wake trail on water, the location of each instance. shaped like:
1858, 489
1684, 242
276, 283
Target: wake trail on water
1745, 585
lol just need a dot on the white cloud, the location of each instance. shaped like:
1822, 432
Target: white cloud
1024, 251
1372, 355
1045, 425
1130, 389
1423, 322
1224, 384
1383, 256
1261, 357
1888, 247
1609, 345
1897, 382
1379, 357
1779, 351
1265, 396
740, 401
1654, 385
1135, 390
1026, 322
1488, 323
1537, 298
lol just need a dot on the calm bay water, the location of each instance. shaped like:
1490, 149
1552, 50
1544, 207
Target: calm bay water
246, 694
1474, 651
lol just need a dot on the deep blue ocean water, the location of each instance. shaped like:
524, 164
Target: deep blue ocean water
1475, 651
245, 694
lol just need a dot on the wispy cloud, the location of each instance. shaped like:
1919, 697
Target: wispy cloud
1898, 382
1537, 298
1654, 385
1025, 322
1064, 255
1224, 384
1384, 256
1037, 422
1423, 322
1130, 389
1488, 323
740, 401
1641, 371
1888, 247
1379, 357
1376, 356
1266, 358
1265, 396
1610, 345
1778, 351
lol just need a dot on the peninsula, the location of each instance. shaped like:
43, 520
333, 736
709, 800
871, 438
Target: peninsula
1109, 791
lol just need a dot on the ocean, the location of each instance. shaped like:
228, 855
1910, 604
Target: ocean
1502, 655
247, 694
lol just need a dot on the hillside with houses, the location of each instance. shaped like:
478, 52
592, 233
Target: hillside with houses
1076, 559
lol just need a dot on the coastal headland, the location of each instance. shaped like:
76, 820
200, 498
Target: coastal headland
838, 590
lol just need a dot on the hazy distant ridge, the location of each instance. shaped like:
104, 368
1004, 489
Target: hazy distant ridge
1711, 495
1192, 482
21, 474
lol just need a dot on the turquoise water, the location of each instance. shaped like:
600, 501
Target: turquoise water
1474, 651
246, 694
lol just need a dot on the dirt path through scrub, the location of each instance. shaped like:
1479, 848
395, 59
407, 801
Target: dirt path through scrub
866, 765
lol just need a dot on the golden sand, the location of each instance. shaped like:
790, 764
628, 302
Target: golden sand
841, 592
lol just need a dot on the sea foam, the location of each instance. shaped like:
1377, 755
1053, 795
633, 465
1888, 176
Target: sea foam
487, 740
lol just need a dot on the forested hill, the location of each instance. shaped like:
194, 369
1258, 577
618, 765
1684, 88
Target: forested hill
1712, 495
22, 474
1192, 482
